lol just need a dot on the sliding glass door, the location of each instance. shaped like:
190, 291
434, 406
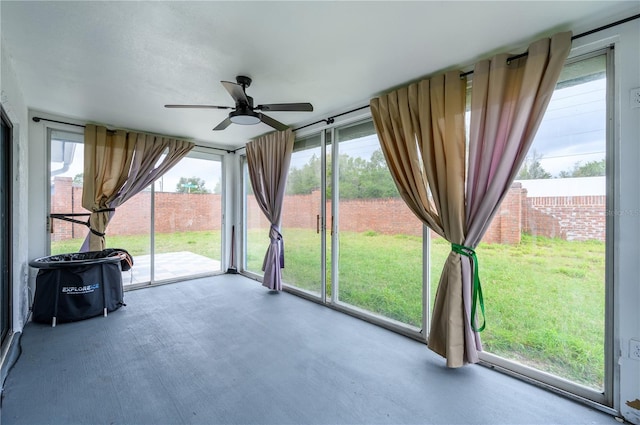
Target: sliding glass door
188, 218
349, 239
256, 229
380, 245
172, 228
304, 223
304, 219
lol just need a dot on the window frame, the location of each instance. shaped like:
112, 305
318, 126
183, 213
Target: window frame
7, 230
601, 400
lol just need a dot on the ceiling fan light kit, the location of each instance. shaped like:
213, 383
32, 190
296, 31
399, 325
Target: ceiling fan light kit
244, 117
244, 112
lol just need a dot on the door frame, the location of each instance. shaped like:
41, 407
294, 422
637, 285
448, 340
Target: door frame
7, 170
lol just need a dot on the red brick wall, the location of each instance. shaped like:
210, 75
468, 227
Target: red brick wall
62, 202
386, 215
175, 212
182, 212
571, 218
507, 223
574, 218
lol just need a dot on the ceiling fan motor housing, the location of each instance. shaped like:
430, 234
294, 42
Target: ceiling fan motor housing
244, 115
243, 81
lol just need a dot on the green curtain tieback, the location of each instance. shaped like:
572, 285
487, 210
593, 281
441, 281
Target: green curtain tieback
477, 288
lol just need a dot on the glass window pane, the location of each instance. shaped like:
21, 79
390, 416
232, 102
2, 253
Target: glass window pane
188, 218
542, 262
301, 217
380, 239
130, 229
66, 176
257, 229
188, 214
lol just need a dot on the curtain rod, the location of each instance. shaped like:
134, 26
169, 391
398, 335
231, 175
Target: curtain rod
331, 119
38, 119
584, 34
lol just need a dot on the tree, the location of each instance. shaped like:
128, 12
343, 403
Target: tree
532, 169
590, 169
306, 179
191, 185
78, 179
370, 179
359, 178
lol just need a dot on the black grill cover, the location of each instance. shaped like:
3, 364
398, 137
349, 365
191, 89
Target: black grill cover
76, 286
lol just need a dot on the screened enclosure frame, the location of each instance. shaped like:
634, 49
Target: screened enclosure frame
600, 400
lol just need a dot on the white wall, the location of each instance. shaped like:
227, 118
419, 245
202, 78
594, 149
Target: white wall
13, 104
626, 215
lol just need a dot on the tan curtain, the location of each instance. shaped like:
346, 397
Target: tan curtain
508, 102
422, 134
107, 160
118, 165
421, 131
268, 160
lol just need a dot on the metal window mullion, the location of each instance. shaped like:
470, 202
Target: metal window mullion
48, 191
426, 282
245, 229
224, 258
152, 238
335, 190
323, 216
610, 222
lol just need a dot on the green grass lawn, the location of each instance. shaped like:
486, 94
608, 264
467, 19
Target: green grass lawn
206, 243
544, 297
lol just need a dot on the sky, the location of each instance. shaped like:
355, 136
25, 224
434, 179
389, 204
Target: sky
574, 127
209, 171
573, 131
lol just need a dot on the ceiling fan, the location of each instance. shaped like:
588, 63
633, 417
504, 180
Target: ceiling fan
244, 112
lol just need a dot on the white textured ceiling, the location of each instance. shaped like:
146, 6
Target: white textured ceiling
118, 63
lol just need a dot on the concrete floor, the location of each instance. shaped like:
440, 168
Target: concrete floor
226, 350
170, 265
